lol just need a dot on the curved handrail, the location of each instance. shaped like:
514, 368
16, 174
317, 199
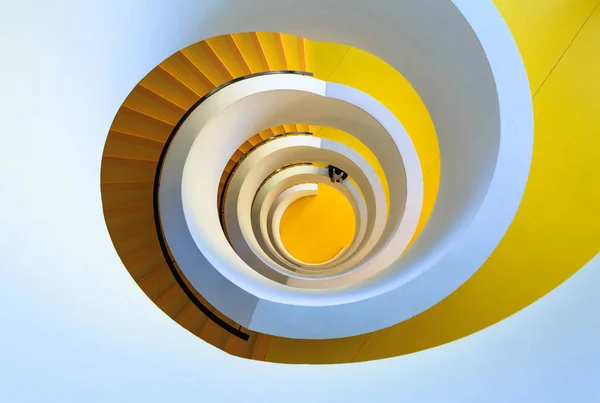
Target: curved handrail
275, 172
155, 200
239, 162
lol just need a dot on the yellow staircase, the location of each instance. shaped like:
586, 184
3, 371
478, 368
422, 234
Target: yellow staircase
251, 142
135, 142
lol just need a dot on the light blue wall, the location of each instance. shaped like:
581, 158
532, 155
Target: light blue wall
75, 327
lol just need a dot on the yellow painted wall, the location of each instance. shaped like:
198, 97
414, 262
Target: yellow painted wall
556, 228
555, 231
331, 133
359, 69
366, 72
314, 229
372, 75
362, 70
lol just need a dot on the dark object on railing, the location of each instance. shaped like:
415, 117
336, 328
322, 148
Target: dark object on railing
336, 174
236, 331
242, 159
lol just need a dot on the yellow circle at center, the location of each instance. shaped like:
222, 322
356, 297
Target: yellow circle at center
314, 229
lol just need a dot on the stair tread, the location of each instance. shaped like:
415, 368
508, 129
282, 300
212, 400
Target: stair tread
260, 51
150, 103
230, 53
161, 82
183, 69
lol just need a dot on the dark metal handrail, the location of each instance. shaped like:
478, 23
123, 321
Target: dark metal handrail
239, 162
275, 172
236, 331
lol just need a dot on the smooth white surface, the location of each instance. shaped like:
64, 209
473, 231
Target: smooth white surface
90, 349
269, 108
282, 312
475, 89
292, 99
485, 159
242, 189
461, 59
260, 164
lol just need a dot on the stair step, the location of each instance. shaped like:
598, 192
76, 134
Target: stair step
245, 147
125, 145
289, 128
174, 304
259, 51
139, 217
130, 215
291, 48
116, 169
214, 334
136, 123
150, 103
116, 194
280, 48
172, 301
261, 345
273, 50
182, 68
247, 347
277, 130
133, 232
166, 85
143, 261
237, 155
230, 165
130, 246
185, 313
208, 62
249, 53
236, 346
257, 138
230, 54
302, 54
193, 319
157, 283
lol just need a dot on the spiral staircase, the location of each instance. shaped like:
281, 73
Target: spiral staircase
138, 142
472, 161
182, 97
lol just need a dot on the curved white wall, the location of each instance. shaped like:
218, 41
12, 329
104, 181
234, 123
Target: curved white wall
440, 251
250, 174
288, 177
500, 86
298, 99
221, 123
258, 165
515, 360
